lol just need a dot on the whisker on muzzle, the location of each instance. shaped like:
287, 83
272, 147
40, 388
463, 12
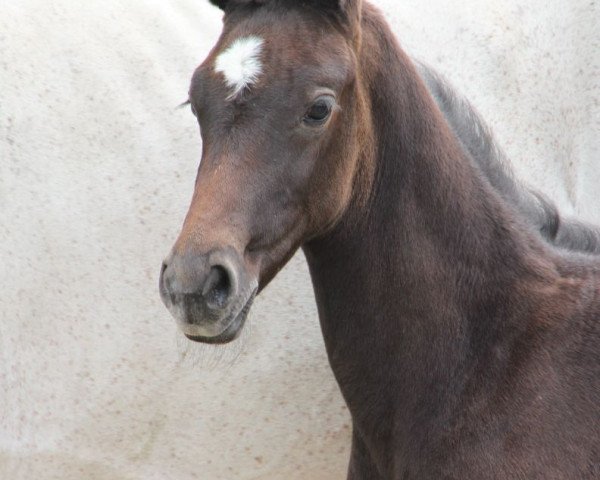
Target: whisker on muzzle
213, 357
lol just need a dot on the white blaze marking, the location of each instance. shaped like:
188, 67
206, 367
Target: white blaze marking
240, 63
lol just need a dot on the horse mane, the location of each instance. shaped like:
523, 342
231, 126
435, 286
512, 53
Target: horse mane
481, 147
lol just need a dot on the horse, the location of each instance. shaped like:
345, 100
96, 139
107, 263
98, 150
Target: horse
465, 343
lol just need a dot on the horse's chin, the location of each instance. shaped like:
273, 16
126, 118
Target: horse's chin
231, 332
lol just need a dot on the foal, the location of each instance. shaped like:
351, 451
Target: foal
465, 346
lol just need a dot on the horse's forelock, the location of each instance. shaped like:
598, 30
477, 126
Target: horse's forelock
345, 9
225, 4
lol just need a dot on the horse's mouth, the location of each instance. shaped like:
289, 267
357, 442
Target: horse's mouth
231, 332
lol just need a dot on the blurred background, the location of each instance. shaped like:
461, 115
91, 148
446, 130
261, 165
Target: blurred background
97, 168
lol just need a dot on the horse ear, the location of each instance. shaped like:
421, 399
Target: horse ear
348, 6
222, 4
350, 10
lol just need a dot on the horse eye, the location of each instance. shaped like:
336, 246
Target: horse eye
319, 111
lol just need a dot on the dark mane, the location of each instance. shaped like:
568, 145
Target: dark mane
478, 141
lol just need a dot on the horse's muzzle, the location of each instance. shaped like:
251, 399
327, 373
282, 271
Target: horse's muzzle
209, 295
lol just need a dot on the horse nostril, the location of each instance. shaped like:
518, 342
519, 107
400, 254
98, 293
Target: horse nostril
161, 277
217, 287
164, 284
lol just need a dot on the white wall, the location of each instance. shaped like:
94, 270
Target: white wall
96, 172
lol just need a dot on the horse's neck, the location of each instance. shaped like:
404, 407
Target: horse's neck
411, 288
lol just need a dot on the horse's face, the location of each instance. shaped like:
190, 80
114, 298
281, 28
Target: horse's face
280, 111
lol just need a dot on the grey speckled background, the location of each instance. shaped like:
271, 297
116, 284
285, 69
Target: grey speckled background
96, 172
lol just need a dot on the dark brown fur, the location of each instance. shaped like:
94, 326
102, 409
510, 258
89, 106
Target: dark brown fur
465, 346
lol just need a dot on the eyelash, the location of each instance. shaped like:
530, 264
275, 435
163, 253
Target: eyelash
188, 103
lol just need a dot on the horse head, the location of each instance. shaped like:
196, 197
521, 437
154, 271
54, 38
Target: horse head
284, 123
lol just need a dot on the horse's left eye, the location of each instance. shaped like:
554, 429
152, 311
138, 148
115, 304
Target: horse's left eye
319, 111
